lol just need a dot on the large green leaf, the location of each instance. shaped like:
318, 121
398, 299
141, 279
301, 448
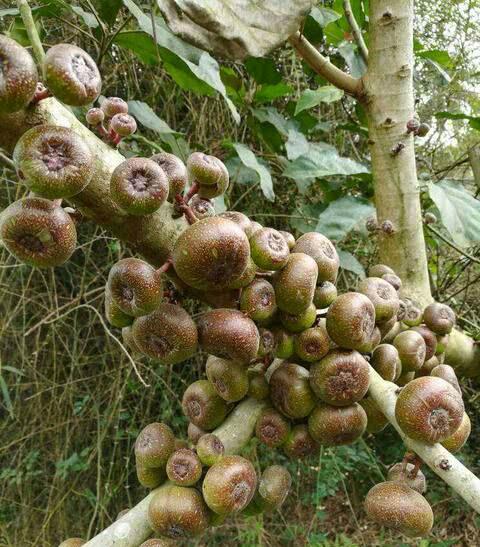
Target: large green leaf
184, 61
263, 70
147, 117
313, 97
271, 115
355, 63
324, 16
140, 43
350, 263
459, 211
440, 57
473, 121
342, 215
268, 92
108, 9
248, 159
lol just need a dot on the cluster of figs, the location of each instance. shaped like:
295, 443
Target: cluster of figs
269, 318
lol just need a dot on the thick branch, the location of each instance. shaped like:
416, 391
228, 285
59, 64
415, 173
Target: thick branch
324, 67
356, 30
26, 14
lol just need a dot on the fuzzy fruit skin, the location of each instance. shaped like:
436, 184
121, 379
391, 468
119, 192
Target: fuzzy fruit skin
258, 300
456, 441
73, 542
272, 428
335, 426
154, 445
19, 76
257, 385
295, 284
228, 334
376, 421
229, 485
448, 374
114, 105
400, 474
300, 322
178, 512
123, 124
273, 488
194, 433
378, 270
284, 346
341, 378
351, 320
288, 238
383, 296
290, 391
211, 254
202, 406
299, 443
167, 334
184, 468
429, 409
202, 208
154, 542
411, 350
439, 318
312, 344
430, 340
71, 75
239, 218
115, 316
322, 250
386, 361
210, 449
175, 170
38, 233
135, 286
128, 340
398, 506
54, 161
150, 477
139, 186
325, 294
268, 249
229, 378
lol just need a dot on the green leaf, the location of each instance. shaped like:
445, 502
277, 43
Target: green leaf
350, 263
313, 97
248, 159
263, 70
297, 145
473, 122
271, 115
269, 92
140, 43
440, 57
108, 10
444, 75
147, 117
324, 16
88, 17
342, 215
305, 217
459, 211
355, 63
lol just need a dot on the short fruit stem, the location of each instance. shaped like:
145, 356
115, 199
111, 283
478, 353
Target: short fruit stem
191, 192
165, 267
181, 205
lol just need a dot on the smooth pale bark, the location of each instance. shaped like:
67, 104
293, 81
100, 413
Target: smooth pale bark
388, 99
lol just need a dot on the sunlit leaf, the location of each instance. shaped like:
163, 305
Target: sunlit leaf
350, 263
248, 158
342, 215
147, 117
324, 16
313, 97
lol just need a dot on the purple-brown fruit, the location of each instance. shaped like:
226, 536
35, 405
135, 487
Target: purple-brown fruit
114, 105
295, 284
455, 442
386, 361
383, 296
272, 428
154, 445
335, 426
123, 124
312, 344
439, 318
229, 378
299, 443
322, 250
430, 340
202, 405
411, 350
268, 249
290, 391
184, 467
258, 300
210, 449
409, 475
175, 171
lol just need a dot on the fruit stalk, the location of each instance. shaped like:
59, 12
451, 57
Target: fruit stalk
439, 459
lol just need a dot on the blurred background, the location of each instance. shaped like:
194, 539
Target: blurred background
70, 404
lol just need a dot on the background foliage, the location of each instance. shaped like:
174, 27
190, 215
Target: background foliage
298, 156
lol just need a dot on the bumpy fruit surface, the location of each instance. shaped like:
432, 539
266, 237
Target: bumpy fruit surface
334, 426
71, 75
322, 250
18, 76
38, 232
201, 208
54, 161
123, 124
184, 468
203, 406
429, 409
167, 334
272, 428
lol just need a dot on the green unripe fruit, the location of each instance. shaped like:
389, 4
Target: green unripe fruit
411, 350
379, 270
178, 512
442, 343
322, 250
455, 442
229, 378
150, 477
288, 238
54, 161
115, 316
73, 542
184, 468
123, 124
284, 342
300, 322
135, 286
272, 428
386, 361
268, 249
335, 426
300, 444
239, 218
18, 76
211, 254
341, 378
194, 433
430, 340
176, 173
95, 116
258, 301
290, 391
114, 105
295, 284
374, 341
228, 334
382, 295
257, 385
229, 485
273, 487
71, 75
399, 507
351, 320
139, 186
376, 420
403, 474
210, 449
429, 409
38, 232
206, 170
202, 406
154, 445
312, 344
167, 334
413, 316
267, 343
325, 294
439, 318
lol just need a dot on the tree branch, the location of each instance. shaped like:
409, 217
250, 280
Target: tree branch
27, 18
324, 67
356, 30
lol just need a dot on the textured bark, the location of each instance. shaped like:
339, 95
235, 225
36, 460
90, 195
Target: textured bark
388, 98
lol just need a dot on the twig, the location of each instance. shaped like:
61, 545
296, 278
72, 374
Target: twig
453, 245
356, 30
7, 161
27, 18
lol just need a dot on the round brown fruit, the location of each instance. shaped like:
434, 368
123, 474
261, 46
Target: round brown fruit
202, 208
408, 474
123, 124
439, 318
322, 250
114, 105
210, 449
176, 173
386, 361
272, 428
335, 426
383, 296
455, 442
411, 350
229, 378
299, 443
184, 467
202, 405
258, 301
290, 391
325, 294
154, 445
376, 420
239, 218
430, 340
447, 373
312, 344
268, 249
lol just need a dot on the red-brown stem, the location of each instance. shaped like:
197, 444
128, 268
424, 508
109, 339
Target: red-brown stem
185, 209
191, 192
41, 93
165, 266
115, 139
